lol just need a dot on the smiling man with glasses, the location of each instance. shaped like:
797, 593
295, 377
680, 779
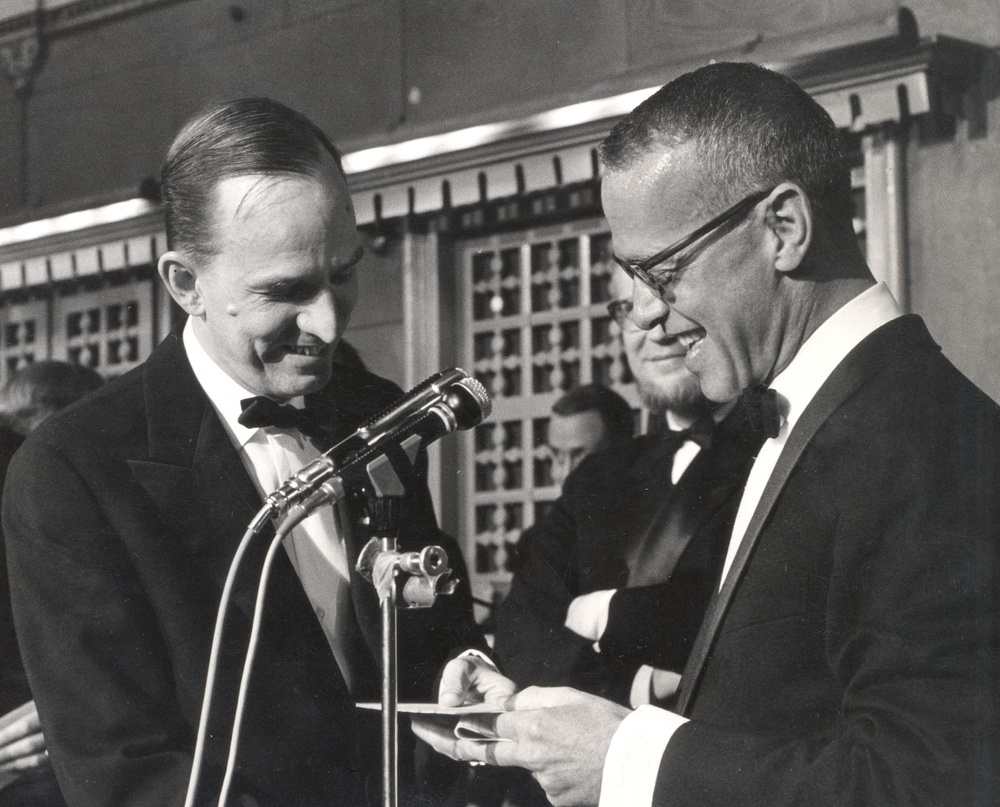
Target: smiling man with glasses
851, 655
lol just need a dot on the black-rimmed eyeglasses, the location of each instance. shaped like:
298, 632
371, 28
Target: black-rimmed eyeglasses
659, 282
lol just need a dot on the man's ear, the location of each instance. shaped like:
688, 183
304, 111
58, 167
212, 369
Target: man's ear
789, 217
181, 281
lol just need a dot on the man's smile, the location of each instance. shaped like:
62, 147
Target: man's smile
676, 345
307, 350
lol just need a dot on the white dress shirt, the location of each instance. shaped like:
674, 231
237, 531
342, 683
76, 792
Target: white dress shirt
633, 760
270, 456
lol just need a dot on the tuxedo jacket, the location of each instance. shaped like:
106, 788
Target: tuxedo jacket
615, 498
13, 684
851, 657
123, 514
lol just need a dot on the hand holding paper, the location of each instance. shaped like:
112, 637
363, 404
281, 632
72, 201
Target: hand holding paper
559, 734
474, 722
22, 745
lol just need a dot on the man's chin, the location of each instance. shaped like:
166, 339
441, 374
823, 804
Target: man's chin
294, 386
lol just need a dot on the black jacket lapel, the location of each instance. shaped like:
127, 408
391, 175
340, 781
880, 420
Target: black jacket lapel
885, 346
194, 472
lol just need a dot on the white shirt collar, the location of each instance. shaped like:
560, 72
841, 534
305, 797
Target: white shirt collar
829, 345
223, 392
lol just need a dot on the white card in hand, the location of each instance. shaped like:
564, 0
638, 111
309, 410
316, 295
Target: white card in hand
473, 722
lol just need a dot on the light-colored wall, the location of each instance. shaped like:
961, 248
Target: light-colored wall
954, 199
954, 239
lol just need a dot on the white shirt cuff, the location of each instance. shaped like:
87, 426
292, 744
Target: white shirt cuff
642, 687
587, 615
633, 760
473, 653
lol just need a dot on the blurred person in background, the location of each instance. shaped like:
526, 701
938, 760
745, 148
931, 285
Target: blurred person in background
584, 420
29, 396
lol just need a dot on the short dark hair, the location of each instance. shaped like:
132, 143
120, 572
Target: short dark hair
35, 391
753, 128
614, 411
227, 139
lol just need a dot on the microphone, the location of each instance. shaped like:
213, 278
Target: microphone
448, 400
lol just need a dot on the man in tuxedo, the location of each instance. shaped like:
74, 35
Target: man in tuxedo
589, 605
851, 653
584, 420
123, 514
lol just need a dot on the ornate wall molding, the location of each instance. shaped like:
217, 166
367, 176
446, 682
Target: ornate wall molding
69, 16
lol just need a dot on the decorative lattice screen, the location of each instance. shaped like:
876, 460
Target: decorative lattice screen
535, 324
24, 335
110, 330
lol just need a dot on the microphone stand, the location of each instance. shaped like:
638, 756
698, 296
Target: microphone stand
407, 580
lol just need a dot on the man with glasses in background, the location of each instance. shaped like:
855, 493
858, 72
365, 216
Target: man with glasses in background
613, 582
851, 654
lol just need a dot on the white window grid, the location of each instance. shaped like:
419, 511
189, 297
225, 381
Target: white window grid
24, 335
110, 330
535, 325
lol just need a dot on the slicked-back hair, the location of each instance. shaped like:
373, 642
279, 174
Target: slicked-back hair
614, 411
752, 128
227, 139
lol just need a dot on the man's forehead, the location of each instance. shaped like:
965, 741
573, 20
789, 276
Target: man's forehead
247, 195
653, 200
657, 166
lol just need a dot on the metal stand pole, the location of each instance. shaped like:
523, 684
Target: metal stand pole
390, 723
420, 577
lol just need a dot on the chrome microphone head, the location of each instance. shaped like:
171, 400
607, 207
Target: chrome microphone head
470, 402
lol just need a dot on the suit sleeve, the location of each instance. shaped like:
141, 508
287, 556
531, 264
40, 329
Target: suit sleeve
911, 645
98, 670
533, 645
634, 637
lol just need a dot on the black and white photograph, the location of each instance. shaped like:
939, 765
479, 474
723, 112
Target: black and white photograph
499, 403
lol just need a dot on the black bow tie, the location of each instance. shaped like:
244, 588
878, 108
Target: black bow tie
699, 432
312, 421
757, 411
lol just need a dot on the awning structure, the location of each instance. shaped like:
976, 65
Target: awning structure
880, 80
874, 74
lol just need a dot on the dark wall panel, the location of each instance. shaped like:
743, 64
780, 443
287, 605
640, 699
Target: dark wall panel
468, 56
9, 147
677, 30
109, 99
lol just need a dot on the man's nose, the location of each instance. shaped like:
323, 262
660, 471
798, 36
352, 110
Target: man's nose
648, 308
319, 317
